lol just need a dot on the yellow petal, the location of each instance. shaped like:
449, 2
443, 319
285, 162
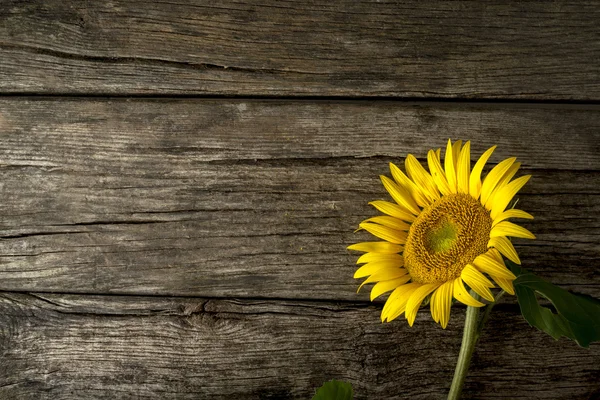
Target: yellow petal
505, 247
492, 179
421, 177
478, 282
437, 173
385, 274
396, 303
409, 185
455, 153
505, 195
492, 267
508, 175
505, 284
370, 257
415, 300
449, 166
495, 254
385, 233
512, 213
464, 168
433, 305
506, 228
400, 195
402, 302
461, 294
378, 247
474, 275
390, 222
372, 267
385, 286
441, 300
393, 209
475, 179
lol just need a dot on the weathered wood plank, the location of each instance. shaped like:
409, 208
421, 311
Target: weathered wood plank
248, 239
464, 49
135, 134
150, 197
74, 347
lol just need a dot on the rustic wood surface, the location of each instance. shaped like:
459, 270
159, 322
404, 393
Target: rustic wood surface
55, 346
259, 199
464, 49
180, 241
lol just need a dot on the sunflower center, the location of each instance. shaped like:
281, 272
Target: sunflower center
445, 237
441, 238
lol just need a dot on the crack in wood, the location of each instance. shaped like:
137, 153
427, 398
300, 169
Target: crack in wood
146, 60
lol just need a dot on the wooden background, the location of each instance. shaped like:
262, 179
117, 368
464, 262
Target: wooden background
179, 181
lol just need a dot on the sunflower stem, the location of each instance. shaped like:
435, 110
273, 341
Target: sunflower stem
473, 328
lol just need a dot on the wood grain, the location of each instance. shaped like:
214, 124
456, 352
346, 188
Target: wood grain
103, 347
259, 199
464, 49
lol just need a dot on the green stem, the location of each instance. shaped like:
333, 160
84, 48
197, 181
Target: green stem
473, 328
470, 336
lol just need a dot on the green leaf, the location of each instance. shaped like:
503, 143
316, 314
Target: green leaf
334, 390
577, 315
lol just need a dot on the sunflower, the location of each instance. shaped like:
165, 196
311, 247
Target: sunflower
446, 230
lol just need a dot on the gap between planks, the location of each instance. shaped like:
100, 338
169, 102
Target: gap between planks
566, 103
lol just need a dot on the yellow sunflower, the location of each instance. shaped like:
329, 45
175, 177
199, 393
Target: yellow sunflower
446, 229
